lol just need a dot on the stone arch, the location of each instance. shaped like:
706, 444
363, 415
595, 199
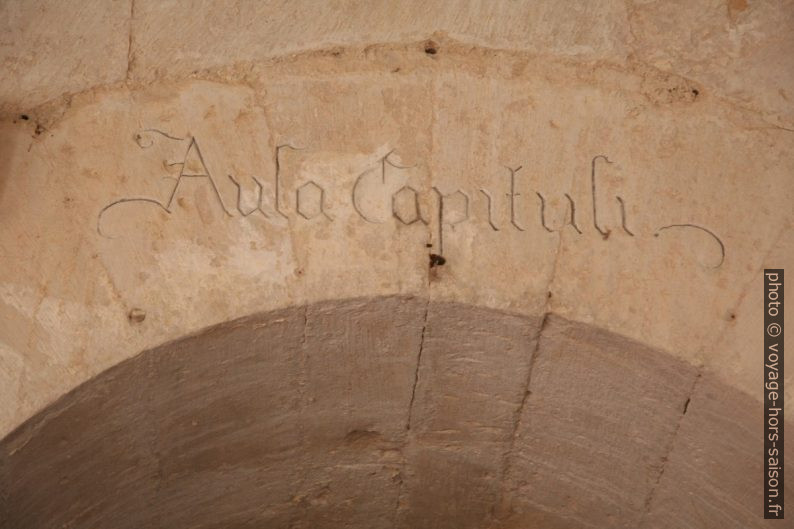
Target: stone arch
131, 171
390, 412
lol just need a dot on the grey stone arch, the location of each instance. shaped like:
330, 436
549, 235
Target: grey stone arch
390, 412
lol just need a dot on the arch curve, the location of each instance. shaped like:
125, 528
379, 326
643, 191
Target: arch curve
389, 411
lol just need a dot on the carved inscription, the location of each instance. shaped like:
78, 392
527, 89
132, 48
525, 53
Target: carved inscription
191, 166
409, 203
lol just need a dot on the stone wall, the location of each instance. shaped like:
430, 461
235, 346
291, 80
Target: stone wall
166, 167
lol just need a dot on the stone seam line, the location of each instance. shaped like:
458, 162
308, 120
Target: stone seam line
507, 457
404, 462
214, 73
130, 52
423, 332
669, 449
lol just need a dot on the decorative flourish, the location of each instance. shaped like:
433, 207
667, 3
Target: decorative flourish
146, 141
701, 228
125, 201
407, 205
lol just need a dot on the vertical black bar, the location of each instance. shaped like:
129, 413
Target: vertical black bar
773, 394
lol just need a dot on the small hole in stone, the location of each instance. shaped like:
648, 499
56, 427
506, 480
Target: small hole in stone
428, 245
24, 116
436, 260
431, 48
136, 315
696, 92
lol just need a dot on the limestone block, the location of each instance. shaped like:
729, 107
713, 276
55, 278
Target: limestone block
337, 264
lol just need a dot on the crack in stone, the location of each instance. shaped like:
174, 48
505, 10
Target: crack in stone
428, 285
708, 353
772, 247
668, 450
556, 261
418, 364
403, 463
552, 276
130, 55
114, 289
630, 12
303, 400
305, 325
432, 139
517, 414
554, 265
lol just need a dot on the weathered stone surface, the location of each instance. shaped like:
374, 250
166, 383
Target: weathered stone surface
704, 458
594, 430
741, 49
108, 428
472, 169
190, 255
50, 50
170, 42
472, 375
439, 423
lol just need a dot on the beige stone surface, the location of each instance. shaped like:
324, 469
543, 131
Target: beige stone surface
50, 50
625, 166
742, 49
456, 124
203, 36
